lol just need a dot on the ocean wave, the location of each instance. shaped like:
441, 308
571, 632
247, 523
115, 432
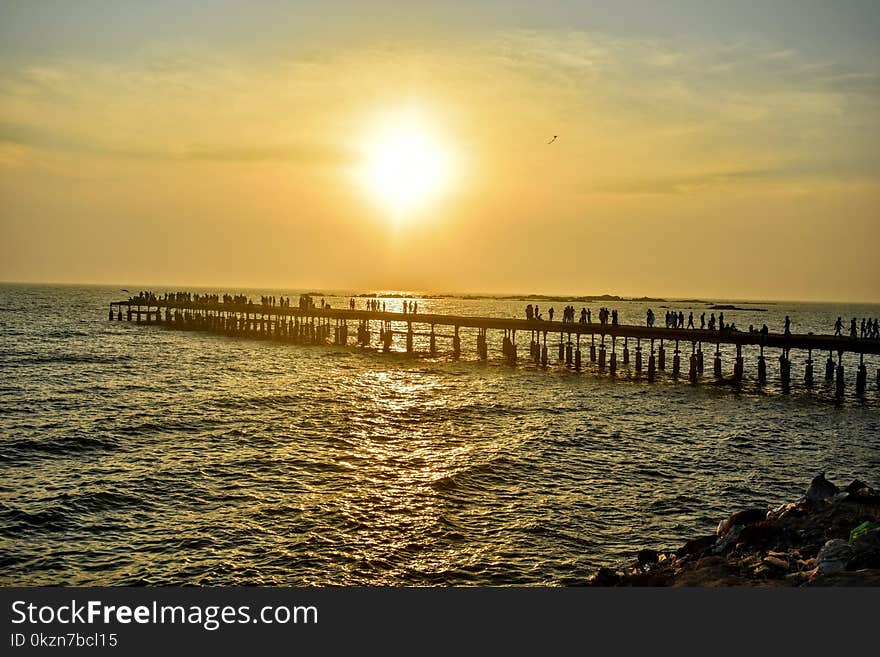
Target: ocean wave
72, 359
14, 521
11, 450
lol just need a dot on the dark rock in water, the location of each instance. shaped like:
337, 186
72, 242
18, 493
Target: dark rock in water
647, 557
727, 306
855, 486
821, 489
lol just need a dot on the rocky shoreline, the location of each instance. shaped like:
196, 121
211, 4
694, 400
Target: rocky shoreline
829, 537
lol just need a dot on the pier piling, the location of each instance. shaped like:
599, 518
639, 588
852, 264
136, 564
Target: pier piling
676, 362
861, 376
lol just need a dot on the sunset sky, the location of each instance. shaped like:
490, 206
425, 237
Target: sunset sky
710, 149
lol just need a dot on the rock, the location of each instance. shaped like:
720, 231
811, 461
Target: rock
775, 562
834, 556
794, 509
696, 546
866, 577
866, 547
762, 534
830, 537
647, 557
821, 489
606, 577
855, 486
866, 495
740, 518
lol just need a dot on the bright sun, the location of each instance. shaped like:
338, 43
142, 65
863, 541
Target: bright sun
406, 165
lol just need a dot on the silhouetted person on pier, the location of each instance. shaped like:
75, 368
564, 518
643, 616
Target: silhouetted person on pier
852, 328
787, 329
529, 313
589, 316
550, 313
691, 320
702, 321
583, 315
864, 332
614, 318
649, 320
721, 321
838, 327
712, 322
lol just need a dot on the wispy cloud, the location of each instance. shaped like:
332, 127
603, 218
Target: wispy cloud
680, 184
311, 153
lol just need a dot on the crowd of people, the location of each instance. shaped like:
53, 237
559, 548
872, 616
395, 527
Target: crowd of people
868, 330
373, 305
677, 320
281, 302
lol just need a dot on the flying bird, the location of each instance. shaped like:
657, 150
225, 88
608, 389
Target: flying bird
552, 140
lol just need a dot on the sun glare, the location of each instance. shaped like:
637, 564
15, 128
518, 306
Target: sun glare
407, 166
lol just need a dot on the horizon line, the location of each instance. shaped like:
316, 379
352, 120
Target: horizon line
452, 293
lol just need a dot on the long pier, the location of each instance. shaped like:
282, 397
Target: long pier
324, 325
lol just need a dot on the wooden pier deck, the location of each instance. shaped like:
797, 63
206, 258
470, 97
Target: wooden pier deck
317, 325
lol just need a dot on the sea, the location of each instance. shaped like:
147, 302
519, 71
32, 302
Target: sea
133, 454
